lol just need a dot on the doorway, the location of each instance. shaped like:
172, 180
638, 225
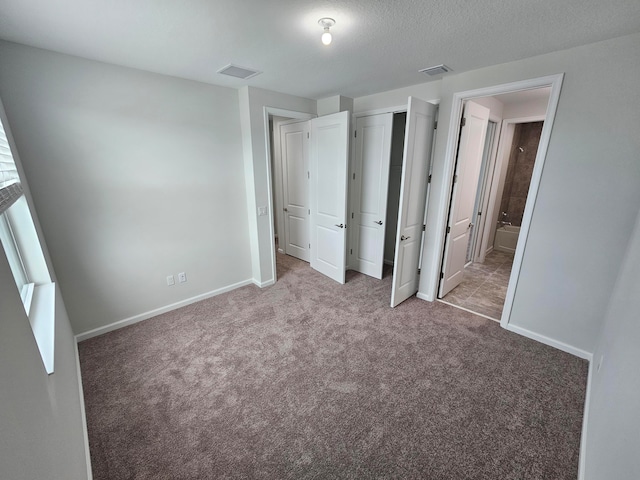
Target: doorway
494, 168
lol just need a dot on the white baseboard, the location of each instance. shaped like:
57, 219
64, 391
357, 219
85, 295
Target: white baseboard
157, 311
424, 296
85, 432
583, 438
268, 283
551, 342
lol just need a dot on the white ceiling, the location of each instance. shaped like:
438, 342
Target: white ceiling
378, 44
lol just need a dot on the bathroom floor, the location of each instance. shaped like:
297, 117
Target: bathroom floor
484, 286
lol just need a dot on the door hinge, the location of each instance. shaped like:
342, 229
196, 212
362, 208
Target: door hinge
351, 251
418, 271
309, 211
448, 229
441, 274
308, 175
355, 134
424, 228
455, 178
429, 179
354, 176
479, 214
308, 135
351, 214
463, 122
309, 245
435, 125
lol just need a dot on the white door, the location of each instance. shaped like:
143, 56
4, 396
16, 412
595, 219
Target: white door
413, 191
473, 133
328, 164
370, 191
294, 144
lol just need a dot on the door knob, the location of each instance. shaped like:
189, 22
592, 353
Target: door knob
379, 222
285, 209
340, 226
404, 238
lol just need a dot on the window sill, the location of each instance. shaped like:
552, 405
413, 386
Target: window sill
42, 319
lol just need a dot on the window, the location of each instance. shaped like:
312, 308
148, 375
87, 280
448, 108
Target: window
21, 245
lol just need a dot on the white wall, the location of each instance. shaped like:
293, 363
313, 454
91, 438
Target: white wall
588, 191
532, 108
41, 430
429, 92
254, 135
135, 176
613, 415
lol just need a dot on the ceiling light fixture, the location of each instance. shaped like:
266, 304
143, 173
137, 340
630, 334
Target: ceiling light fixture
326, 23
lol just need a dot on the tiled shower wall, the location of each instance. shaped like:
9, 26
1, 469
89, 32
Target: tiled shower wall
516, 186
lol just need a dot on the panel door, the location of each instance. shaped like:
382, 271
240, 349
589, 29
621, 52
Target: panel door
472, 138
413, 191
294, 149
328, 163
370, 192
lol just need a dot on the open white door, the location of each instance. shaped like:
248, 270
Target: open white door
295, 185
370, 191
473, 132
328, 161
413, 189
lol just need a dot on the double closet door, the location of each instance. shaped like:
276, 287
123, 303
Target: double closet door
318, 178
370, 195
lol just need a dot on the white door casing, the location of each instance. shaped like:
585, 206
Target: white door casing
370, 186
415, 171
328, 165
472, 138
294, 144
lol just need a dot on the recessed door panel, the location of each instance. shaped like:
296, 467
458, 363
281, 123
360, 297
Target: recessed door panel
473, 134
328, 183
295, 186
370, 186
413, 193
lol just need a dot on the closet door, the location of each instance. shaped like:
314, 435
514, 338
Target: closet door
370, 190
295, 185
472, 138
328, 159
413, 194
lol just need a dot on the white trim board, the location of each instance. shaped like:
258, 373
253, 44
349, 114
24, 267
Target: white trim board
582, 463
578, 352
85, 432
158, 311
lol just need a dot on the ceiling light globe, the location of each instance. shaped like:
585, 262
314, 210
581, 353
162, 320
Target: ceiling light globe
326, 38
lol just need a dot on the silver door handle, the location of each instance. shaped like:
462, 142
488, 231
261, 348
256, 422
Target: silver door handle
404, 238
379, 222
340, 226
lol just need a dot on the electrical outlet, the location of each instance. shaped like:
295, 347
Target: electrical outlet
170, 280
182, 277
600, 362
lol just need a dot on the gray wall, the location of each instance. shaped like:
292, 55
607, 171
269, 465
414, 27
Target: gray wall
613, 415
588, 191
41, 430
134, 175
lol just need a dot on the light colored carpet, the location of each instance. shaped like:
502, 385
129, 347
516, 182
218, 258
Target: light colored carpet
311, 379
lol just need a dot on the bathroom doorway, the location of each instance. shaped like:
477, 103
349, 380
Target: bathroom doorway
500, 152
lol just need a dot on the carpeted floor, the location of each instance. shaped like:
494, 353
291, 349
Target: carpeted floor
311, 379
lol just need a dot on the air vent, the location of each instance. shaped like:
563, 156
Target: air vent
238, 72
437, 70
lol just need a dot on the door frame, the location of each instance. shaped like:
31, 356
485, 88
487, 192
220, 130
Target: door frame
553, 81
278, 112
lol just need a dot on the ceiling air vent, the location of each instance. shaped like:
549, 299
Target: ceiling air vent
238, 72
437, 70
